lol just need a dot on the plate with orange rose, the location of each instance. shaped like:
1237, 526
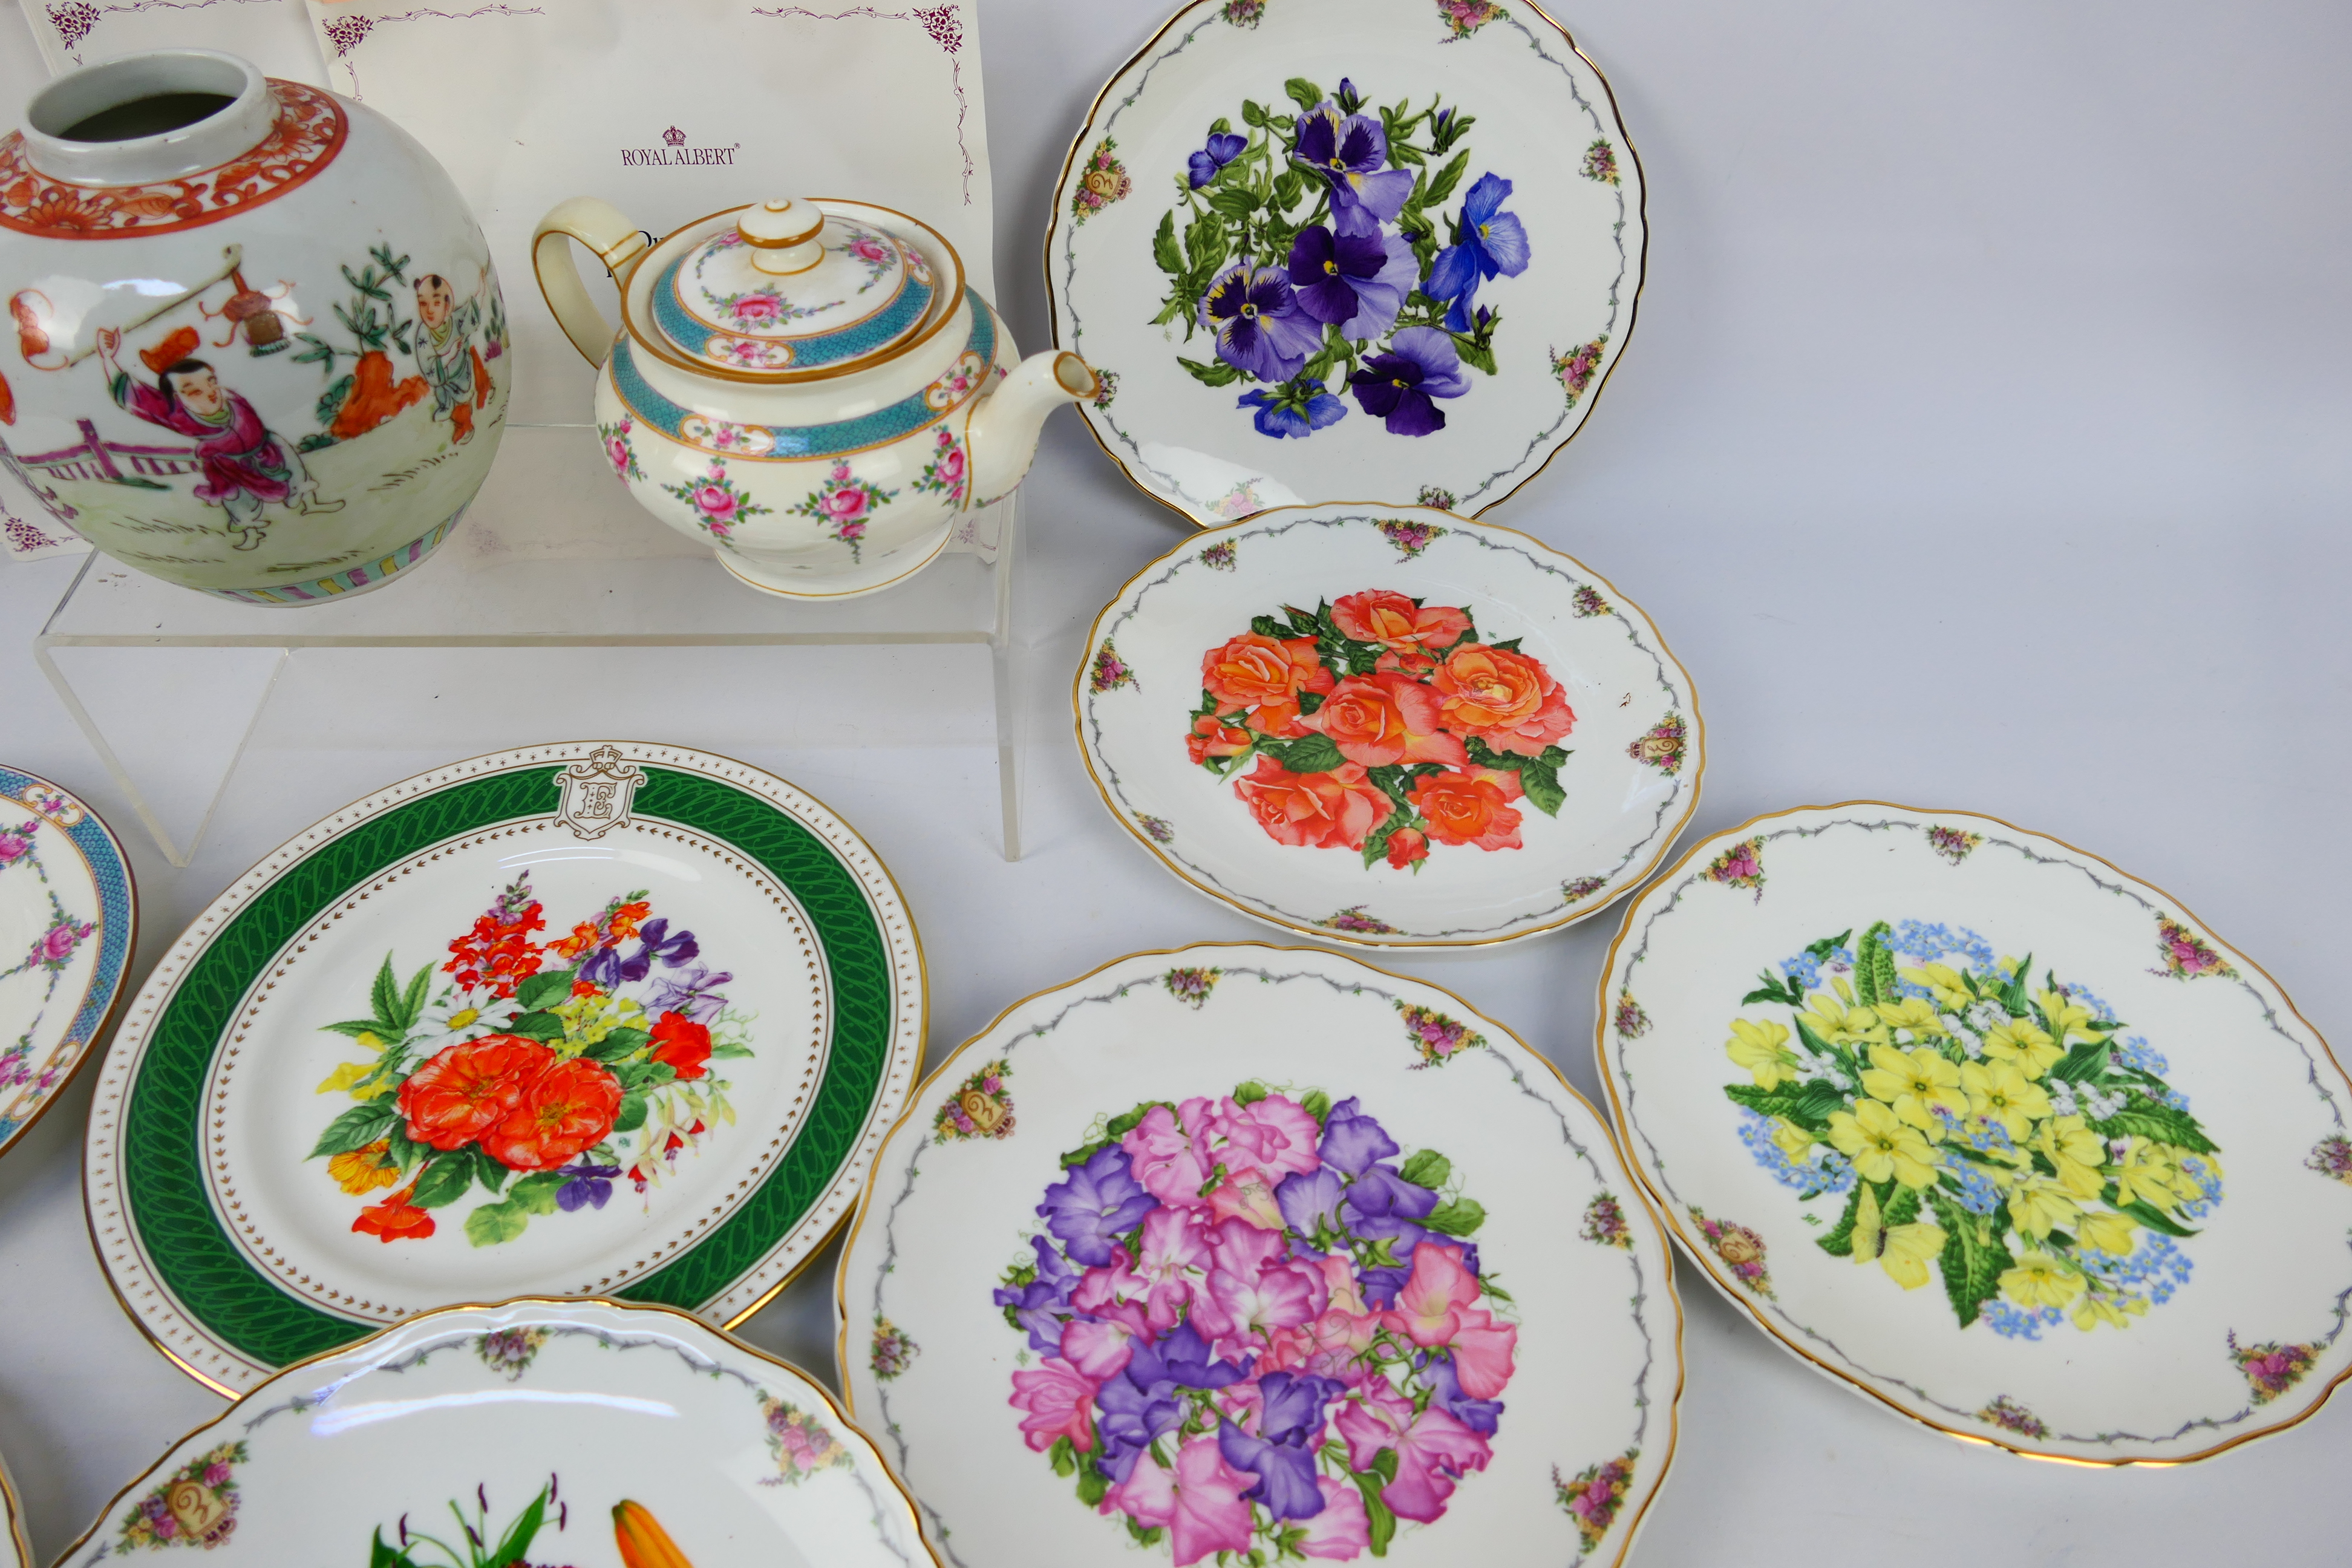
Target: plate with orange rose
1394, 727
617, 1020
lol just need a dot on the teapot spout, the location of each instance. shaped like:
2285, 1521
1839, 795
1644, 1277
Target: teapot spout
1003, 429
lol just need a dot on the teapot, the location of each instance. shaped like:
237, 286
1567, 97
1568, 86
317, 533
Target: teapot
809, 386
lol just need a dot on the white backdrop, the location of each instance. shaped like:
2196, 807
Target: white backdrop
1981, 444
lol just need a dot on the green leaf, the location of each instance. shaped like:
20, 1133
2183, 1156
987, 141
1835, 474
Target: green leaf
1236, 202
1475, 353
722, 1049
536, 1193
1064, 1457
540, 1027
1427, 1169
1874, 967
1250, 1093
518, 1538
1218, 374
1253, 112
544, 989
636, 1076
2155, 1218
1304, 93
620, 1043
355, 1028
405, 1149
1839, 1242
1808, 1105
1901, 1208
1165, 252
1145, 1534
632, 1114
1382, 1522
331, 401
383, 1556
1307, 755
1463, 1216
1441, 185
1541, 781
1376, 843
1092, 1484
1268, 626
2158, 1123
1318, 1105
413, 1000
445, 1179
493, 1225
2086, 1062
1972, 1264
1771, 987
2013, 999
1288, 187
384, 996
354, 1129
493, 1175
1822, 948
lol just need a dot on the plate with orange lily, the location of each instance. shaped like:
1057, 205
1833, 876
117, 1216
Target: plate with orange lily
1388, 726
534, 1431
585, 1019
1993, 1131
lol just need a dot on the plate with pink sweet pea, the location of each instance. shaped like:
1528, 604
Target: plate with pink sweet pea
1255, 1254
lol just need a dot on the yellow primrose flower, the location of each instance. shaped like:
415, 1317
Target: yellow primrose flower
1916, 1014
1906, 1251
2067, 1018
2107, 1232
2075, 1152
1763, 1051
1882, 1147
364, 1170
2041, 1280
1945, 982
2039, 1206
2020, 1041
1917, 1084
2093, 1311
1794, 1140
2146, 1175
1999, 1092
1840, 1025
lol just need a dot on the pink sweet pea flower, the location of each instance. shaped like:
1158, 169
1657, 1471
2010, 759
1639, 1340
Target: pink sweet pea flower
1115, 1292
1060, 1401
1199, 1503
1249, 1198
1429, 1307
1483, 1349
1433, 1450
1161, 1156
1250, 1294
1099, 1351
1175, 1261
1277, 1136
1339, 1280
1340, 1531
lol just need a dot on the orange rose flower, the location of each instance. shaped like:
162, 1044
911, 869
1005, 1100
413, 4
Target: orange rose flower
566, 1108
1394, 621
681, 1042
1507, 699
1210, 739
1407, 845
465, 1090
1265, 675
1415, 662
1377, 719
1320, 810
395, 1219
1464, 809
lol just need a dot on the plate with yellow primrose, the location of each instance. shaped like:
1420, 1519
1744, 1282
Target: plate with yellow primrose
1996, 1133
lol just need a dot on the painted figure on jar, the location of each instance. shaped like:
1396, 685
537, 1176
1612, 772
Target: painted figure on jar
246, 466
445, 355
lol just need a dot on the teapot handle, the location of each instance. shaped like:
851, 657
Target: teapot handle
616, 242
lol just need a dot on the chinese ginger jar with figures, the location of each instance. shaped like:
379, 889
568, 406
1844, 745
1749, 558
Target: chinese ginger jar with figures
808, 386
256, 341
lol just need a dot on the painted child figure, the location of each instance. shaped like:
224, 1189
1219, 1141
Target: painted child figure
445, 354
246, 466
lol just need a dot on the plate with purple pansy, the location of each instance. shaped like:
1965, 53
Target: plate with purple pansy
1258, 1254
1998, 1135
1383, 250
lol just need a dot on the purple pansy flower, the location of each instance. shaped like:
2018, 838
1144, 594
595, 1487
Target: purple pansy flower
1355, 282
1351, 152
1422, 365
1353, 1141
1257, 323
1492, 242
1097, 1204
586, 1187
1285, 415
1223, 149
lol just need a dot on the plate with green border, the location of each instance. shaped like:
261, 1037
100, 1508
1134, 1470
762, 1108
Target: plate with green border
590, 1018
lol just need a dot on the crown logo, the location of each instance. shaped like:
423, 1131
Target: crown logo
674, 136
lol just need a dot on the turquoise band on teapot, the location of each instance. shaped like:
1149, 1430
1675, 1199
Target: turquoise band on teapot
789, 442
761, 346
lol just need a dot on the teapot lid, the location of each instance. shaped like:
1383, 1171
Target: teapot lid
790, 288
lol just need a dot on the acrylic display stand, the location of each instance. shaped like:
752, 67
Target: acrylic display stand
552, 554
